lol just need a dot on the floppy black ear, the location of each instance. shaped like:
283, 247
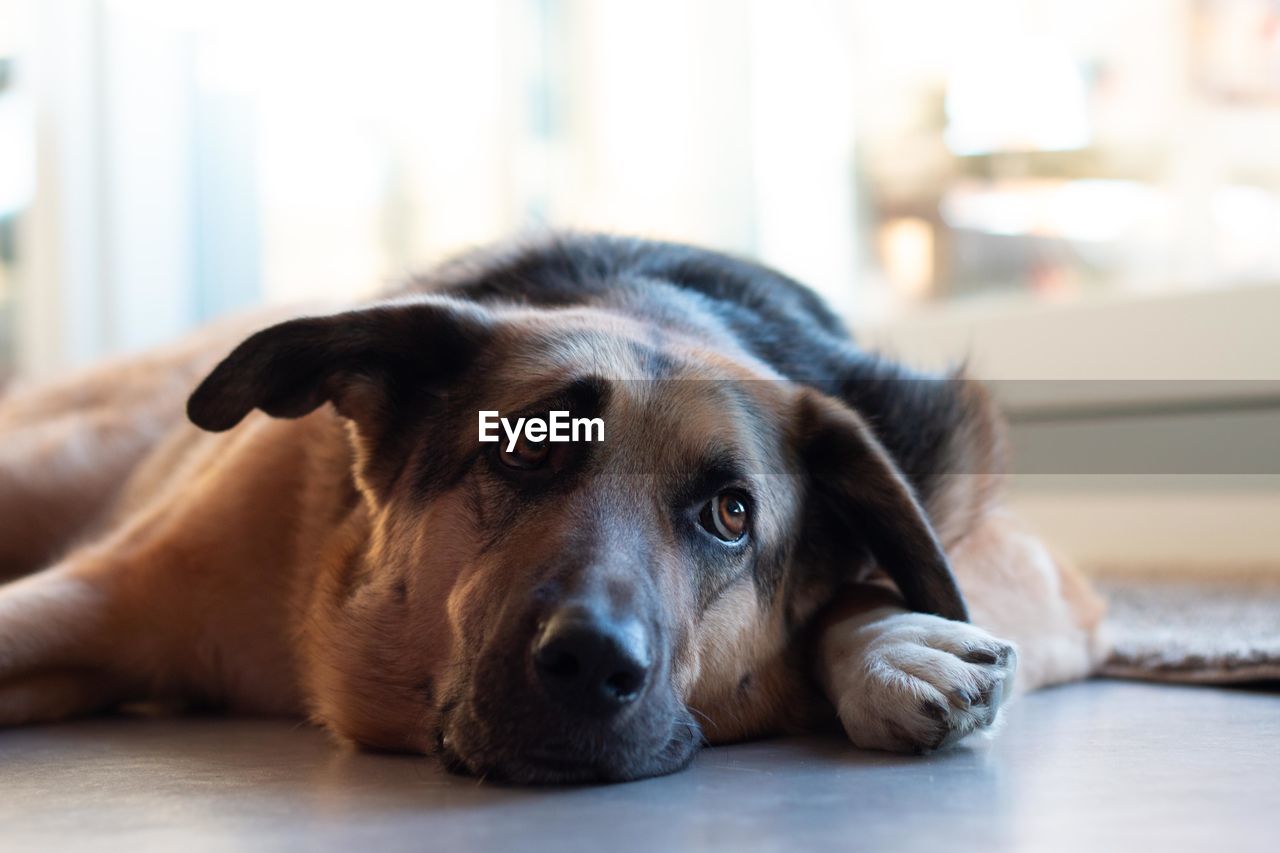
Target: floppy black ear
860, 490
357, 360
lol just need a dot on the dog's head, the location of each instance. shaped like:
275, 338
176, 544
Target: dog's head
583, 610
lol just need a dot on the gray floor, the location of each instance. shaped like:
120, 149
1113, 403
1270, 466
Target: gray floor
1090, 766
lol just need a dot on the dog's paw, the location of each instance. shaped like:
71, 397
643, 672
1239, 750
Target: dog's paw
910, 682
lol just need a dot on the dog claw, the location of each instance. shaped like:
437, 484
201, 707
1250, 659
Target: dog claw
984, 656
936, 710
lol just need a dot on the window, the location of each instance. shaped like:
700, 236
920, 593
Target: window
1062, 147
17, 171
200, 156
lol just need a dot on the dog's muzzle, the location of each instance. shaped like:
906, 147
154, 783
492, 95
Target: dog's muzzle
585, 697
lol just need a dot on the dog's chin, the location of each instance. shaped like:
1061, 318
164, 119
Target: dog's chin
536, 764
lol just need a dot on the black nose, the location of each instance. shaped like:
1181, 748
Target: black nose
590, 662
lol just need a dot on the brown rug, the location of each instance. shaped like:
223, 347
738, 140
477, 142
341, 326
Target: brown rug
1199, 628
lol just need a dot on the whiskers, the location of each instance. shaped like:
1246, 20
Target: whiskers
703, 740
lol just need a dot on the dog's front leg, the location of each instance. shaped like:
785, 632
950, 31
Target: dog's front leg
56, 644
909, 682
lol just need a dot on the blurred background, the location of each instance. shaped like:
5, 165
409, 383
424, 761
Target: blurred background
1081, 197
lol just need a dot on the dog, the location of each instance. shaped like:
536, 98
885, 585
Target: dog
777, 531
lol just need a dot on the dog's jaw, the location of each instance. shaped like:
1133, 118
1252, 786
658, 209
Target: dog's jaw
534, 764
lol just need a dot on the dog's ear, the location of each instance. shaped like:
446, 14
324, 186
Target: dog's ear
358, 360
857, 489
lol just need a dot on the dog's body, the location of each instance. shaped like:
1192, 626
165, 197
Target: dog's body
731, 550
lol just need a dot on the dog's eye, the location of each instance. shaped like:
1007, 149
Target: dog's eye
526, 455
725, 516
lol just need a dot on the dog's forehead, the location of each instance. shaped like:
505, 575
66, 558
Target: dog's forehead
696, 417
539, 346
552, 344
674, 403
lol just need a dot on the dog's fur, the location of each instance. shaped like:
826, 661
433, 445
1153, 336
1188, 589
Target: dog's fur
352, 552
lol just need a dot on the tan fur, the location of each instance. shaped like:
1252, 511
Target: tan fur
71, 445
1019, 590
256, 569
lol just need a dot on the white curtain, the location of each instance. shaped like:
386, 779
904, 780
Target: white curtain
196, 157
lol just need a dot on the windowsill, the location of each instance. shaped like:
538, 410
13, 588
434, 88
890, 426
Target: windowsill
1164, 468
1227, 334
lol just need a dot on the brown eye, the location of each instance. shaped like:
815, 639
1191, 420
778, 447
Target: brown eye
526, 455
725, 516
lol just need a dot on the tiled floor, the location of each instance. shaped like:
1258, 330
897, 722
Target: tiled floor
1104, 765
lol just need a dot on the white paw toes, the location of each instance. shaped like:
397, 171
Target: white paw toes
917, 683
